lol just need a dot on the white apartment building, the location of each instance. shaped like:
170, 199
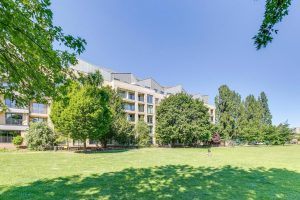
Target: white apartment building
141, 96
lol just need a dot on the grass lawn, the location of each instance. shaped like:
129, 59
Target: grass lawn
231, 173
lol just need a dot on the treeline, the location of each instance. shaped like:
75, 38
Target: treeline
86, 110
181, 119
248, 120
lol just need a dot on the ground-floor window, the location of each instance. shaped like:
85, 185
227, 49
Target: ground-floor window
77, 143
7, 136
93, 142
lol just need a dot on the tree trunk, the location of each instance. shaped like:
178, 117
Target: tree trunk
84, 145
68, 147
104, 144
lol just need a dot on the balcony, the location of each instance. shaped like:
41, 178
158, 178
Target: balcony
14, 108
38, 110
129, 107
13, 127
18, 110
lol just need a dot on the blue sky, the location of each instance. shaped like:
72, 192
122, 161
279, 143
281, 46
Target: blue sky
200, 44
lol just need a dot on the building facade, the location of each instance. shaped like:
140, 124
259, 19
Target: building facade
140, 96
140, 100
16, 120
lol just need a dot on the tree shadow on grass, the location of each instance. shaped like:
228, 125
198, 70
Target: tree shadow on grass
167, 182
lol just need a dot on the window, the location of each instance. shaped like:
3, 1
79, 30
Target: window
212, 119
211, 111
141, 108
131, 117
7, 136
131, 96
149, 119
10, 103
122, 93
93, 142
39, 108
77, 143
13, 119
149, 98
150, 109
141, 97
38, 119
129, 106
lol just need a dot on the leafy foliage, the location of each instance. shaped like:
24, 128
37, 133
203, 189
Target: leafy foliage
122, 131
228, 104
249, 120
18, 140
266, 113
275, 10
142, 133
180, 118
29, 64
84, 113
40, 137
87, 111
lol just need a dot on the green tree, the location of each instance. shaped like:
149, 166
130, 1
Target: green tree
228, 104
59, 104
275, 10
122, 131
284, 134
40, 136
84, 110
94, 78
252, 120
180, 118
142, 133
266, 114
270, 134
30, 65
88, 114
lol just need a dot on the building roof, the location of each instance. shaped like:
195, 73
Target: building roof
110, 75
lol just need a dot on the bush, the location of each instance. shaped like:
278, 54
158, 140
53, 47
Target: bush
18, 140
40, 137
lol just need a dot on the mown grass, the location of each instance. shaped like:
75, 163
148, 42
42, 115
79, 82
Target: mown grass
230, 173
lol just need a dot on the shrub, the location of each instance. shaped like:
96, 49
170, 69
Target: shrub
18, 140
40, 137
